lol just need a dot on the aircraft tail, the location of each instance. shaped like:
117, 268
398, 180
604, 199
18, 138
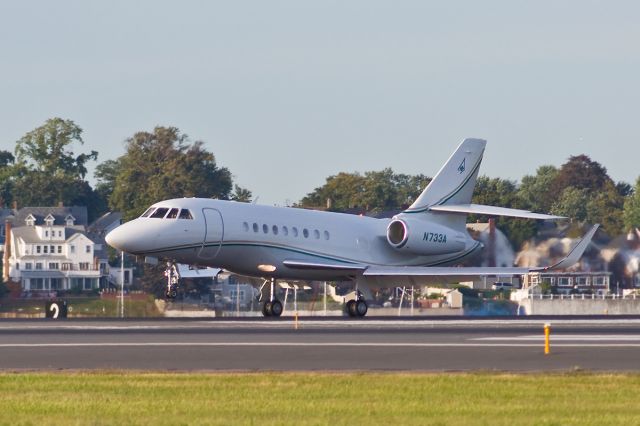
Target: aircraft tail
452, 185
455, 181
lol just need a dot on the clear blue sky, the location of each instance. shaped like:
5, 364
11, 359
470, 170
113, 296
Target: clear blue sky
286, 93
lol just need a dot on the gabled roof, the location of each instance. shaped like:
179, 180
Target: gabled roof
59, 213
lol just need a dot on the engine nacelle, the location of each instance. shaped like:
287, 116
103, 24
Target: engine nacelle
423, 238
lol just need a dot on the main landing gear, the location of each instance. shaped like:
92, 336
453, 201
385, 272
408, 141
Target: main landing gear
173, 280
272, 307
357, 306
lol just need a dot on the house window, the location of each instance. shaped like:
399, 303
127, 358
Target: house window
84, 266
54, 265
59, 249
564, 281
89, 283
36, 283
72, 248
45, 249
46, 233
38, 266
56, 284
17, 266
38, 249
87, 249
52, 249
60, 234
28, 265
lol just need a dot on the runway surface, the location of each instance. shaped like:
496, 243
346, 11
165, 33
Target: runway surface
330, 345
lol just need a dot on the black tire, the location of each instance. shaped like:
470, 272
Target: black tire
266, 309
361, 308
351, 308
174, 294
276, 308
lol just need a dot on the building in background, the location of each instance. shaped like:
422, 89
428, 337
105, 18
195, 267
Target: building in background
48, 249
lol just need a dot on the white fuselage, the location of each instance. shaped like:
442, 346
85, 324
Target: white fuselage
255, 240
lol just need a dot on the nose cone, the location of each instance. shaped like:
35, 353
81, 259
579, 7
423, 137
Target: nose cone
117, 238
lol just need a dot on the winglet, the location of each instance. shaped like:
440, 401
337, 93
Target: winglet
576, 253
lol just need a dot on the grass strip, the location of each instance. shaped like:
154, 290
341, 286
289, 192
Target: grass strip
104, 398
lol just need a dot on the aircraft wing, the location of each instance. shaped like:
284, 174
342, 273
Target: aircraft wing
324, 266
492, 211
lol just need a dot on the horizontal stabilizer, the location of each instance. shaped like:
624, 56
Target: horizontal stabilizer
492, 211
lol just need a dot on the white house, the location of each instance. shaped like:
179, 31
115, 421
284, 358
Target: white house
50, 251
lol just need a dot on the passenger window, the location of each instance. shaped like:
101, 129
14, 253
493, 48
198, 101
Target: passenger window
316, 234
285, 231
255, 227
274, 229
245, 226
159, 213
148, 212
326, 235
305, 232
173, 213
265, 228
295, 231
185, 214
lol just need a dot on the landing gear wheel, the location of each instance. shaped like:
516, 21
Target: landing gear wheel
351, 308
361, 308
267, 309
276, 308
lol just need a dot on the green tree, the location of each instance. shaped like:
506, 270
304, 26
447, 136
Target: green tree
47, 171
241, 194
572, 203
375, 190
535, 192
163, 164
631, 213
6, 177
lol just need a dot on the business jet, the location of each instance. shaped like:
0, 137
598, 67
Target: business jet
275, 243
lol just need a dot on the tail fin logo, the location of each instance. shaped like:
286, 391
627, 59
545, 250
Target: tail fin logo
461, 167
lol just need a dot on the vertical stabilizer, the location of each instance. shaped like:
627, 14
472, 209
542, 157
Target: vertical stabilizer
456, 180
453, 184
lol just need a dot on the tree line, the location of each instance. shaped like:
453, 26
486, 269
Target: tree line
164, 163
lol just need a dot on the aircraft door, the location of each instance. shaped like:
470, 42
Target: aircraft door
213, 233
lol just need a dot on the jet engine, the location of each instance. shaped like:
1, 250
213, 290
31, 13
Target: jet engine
420, 237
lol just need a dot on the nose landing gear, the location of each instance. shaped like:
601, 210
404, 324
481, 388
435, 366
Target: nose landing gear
173, 280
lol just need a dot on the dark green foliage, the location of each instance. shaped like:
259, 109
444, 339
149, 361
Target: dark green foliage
373, 191
161, 165
47, 172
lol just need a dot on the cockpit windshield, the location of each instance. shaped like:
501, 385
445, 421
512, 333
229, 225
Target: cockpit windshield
173, 213
185, 214
159, 213
148, 212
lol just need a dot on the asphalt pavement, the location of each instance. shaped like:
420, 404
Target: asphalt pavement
315, 344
